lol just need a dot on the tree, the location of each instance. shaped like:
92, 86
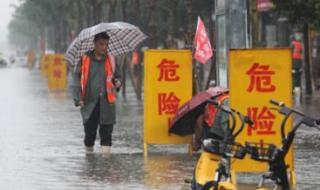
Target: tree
165, 22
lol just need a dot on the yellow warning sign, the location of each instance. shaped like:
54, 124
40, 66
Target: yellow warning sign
168, 85
57, 72
45, 61
255, 77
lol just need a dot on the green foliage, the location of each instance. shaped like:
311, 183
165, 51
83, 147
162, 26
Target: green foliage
300, 12
56, 19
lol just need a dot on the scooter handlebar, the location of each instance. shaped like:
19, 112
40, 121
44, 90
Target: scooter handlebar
244, 119
248, 120
276, 103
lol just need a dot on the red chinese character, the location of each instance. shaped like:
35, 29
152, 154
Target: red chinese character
168, 70
167, 103
260, 78
57, 73
263, 121
57, 61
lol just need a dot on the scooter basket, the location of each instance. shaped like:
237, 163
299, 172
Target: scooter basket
234, 150
261, 152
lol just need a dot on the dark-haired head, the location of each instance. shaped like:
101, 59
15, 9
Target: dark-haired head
101, 43
101, 35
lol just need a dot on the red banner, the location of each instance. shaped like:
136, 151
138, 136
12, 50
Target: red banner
202, 44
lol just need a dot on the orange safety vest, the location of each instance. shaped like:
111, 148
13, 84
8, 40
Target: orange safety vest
297, 50
211, 110
135, 57
109, 68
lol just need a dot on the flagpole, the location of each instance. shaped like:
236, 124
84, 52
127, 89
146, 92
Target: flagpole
202, 51
195, 81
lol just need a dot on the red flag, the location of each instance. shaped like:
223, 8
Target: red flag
202, 44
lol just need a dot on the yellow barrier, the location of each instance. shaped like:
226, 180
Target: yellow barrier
168, 85
255, 77
57, 72
45, 61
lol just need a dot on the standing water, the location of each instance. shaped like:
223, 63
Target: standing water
41, 145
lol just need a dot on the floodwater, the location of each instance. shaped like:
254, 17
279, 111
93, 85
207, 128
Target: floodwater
41, 145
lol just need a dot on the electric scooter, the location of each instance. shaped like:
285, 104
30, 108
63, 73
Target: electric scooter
213, 167
275, 156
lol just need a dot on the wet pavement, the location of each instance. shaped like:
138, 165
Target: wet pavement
41, 145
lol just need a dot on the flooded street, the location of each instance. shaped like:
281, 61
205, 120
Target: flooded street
41, 140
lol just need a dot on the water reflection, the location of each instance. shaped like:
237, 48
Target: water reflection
165, 171
59, 95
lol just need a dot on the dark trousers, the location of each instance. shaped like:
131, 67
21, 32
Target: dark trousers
91, 127
296, 73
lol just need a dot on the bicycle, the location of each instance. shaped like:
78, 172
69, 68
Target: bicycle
217, 154
275, 156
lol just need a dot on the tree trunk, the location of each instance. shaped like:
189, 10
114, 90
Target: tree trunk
307, 59
97, 11
112, 9
94, 11
170, 42
89, 12
152, 26
80, 16
124, 4
57, 35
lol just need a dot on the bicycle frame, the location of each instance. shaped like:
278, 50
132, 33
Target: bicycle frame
220, 163
277, 165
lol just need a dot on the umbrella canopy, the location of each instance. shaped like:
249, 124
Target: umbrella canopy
184, 121
124, 38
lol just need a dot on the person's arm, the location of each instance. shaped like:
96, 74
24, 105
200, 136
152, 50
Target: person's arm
76, 87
